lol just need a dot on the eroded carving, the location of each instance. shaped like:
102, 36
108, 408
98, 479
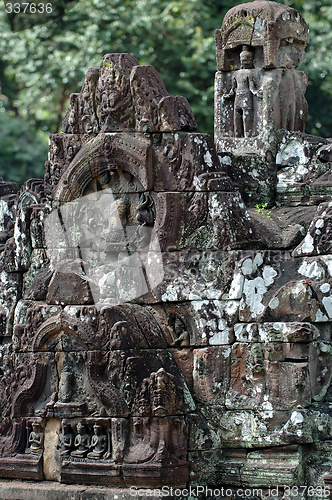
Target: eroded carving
244, 88
258, 89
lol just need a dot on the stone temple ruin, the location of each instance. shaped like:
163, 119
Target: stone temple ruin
166, 299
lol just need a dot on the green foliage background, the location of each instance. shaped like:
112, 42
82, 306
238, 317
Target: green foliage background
41, 66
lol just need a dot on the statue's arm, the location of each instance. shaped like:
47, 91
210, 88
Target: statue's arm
232, 92
255, 88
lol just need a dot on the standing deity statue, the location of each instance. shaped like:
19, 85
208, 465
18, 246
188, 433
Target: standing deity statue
258, 89
244, 87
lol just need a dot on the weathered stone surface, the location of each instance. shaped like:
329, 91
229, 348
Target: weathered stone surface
254, 111
196, 276
7, 214
201, 468
255, 178
51, 437
156, 331
31, 193
12, 490
276, 332
216, 428
211, 373
318, 240
320, 363
276, 286
258, 27
37, 234
281, 465
18, 248
263, 374
303, 170
187, 162
277, 234
26, 467
37, 278
198, 323
257, 88
62, 150
184, 358
27, 311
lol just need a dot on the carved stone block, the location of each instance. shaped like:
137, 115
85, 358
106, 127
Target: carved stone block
18, 249
7, 208
186, 162
318, 238
226, 466
276, 332
269, 101
142, 104
159, 332
255, 178
277, 286
38, 214
320, 364
158, 452
195, 275
215, 428
29, 316
26, 467
62, 150
256, 24
257, 88
269, 376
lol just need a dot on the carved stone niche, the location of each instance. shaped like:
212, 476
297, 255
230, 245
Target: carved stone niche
257, 89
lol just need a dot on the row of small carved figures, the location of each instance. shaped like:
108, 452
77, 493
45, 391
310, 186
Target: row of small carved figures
80, 445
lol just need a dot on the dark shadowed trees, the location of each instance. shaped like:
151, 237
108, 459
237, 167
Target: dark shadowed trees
41, 66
